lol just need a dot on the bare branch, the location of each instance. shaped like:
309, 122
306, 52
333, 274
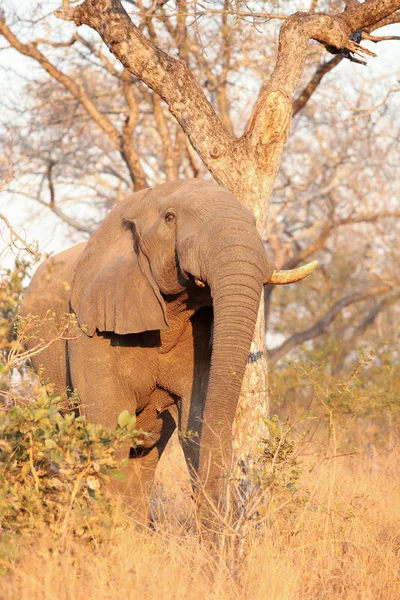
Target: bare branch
321, 325
242, 14
53, 44
51, 185
66, 218
369, 218
370, 12
259, 151
170, 78
79, 93
378, 38
311, 249
128, 149
362, 112
221, 89
325, 67
333, 31
162, 128
14, 236
108, 64
372, 315
314, 82
74, 88
327, 230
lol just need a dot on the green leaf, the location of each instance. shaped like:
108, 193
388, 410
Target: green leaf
39, 414
123, 418
56, 456
49, 443
115, 474
93, 483
132, 422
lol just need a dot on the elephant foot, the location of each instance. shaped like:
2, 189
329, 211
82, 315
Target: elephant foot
133, 491
134, 505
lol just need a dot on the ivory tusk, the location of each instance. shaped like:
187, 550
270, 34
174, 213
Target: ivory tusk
293, 275
199, 282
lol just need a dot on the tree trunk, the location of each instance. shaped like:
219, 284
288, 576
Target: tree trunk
267, 132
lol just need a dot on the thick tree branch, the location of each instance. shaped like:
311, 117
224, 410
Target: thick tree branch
326, 67
330, 30
259, 151
314, 82
390, 20
360, 16
321, 325
308, 251
372, 315
128, 149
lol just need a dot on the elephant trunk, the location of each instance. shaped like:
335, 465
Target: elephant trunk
235, 275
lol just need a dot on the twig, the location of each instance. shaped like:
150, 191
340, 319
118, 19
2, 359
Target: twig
363, 112
14, 234
31, 464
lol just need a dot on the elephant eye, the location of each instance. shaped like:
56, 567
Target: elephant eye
169, 217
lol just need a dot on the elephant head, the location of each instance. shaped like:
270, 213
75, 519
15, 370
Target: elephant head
160, 243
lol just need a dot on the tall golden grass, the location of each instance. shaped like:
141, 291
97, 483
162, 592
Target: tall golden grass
338, 538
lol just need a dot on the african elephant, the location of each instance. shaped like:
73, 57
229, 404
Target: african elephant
165, 294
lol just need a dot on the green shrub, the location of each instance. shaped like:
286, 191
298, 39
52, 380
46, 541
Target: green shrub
53, 469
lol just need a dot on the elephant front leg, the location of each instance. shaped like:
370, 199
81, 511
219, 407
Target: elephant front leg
186, 375
192, 433
208, 457
158, 421
207, 448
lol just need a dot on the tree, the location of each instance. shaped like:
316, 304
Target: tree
247, 165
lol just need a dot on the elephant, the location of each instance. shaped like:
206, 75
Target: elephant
165, 294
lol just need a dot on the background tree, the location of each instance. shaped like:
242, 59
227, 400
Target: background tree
113, 128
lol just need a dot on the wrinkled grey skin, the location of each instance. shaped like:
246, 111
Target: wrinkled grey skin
145, 328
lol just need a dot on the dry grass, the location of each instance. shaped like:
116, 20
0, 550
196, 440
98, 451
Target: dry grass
341, 540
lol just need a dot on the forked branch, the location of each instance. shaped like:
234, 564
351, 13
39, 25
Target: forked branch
172, 80
15, 237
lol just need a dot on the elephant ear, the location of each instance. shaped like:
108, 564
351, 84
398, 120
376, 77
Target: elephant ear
113, 289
